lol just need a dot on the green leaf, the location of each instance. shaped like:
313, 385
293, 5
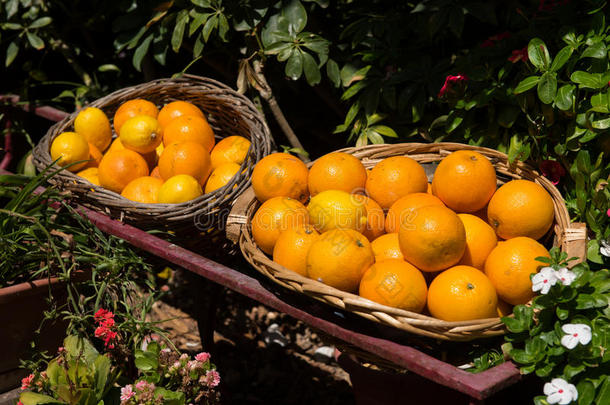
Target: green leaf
146, 361
374, 137
547, 87
170, 397
140, 52
384, 130
178, 34
526, 84
603, 396
311, 69
33, 398
41, 22
202, 3
586, 392
102, 370
35, 40
108, 67
11, 53
223, 27
538, 54
209, 26
296, 15
277, 47
564, 97
454, 119
597, 51
353, 90
561, 58
77, 346
197, 21
294, 66
599, 124
332, 71
588, 80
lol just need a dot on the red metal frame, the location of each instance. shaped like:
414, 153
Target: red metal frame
477, 386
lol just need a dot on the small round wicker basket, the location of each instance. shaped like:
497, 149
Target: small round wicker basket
228, 112
570, 236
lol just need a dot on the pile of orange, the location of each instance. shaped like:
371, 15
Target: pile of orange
157, 156
458, 249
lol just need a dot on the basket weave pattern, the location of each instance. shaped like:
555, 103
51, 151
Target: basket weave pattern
228, 113
571, 238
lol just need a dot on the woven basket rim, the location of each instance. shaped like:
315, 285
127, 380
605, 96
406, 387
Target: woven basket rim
420, 324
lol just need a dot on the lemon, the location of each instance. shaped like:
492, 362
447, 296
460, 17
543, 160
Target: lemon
141, 134
159, 150
332, 209
93, 124
91, 175
178, 189
221, 176
70, 147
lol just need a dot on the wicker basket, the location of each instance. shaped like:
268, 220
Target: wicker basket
228, 112
570, 236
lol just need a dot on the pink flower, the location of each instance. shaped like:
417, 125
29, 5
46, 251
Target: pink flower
141, 385
19, 403
212, 378
60, 349
26, 382
450, 82
192, 365
608, 212
127, 392
552, 170
203, 356
518, 54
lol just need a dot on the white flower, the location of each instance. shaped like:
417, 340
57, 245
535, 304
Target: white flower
605, 249
565, 276
544, 280
559, 391
575, 333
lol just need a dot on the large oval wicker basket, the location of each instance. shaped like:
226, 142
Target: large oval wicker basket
228, 112
570, 236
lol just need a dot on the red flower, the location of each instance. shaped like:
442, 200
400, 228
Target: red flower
450, 82
102, 314
552, 170
105, 321
608, 212
549, 5
489, 42
26, 382
519, 54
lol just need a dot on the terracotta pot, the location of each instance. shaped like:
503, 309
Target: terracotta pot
22, 309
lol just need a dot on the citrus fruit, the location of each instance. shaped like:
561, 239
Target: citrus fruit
189, 128
95, 156
291, 248
70, 147
280, 175
120, 167
232, 149
521, 208
332, 209
509, 266
337, 171
465, 181
143, 189
93, 124
395, 177
339, 258
375, 218
386, 247
178, 189
403, 209
274, 216
175, 109
429, 189
155, 173
133, 108
433, 238
141, 134
480, 241
462, 293
90, 174
115, 145
185, 158
395, 283
221, 176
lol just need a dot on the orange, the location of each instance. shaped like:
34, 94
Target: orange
465, 181
339, 258
70, 147
120, 167
375, 218
155, 173
133, 108
115, 145
337, 209
179, 189
232, 149
150, 158
95, 156
403, 209
142, 134
143, 189
480, 241
521, 208
90, 174
185, 158
93, 124
280, 175
337, 171
462, 293
189, 128
221, 176
510, 265
395, 283
386, 247
176, 109
395, 177
276, 215
433, 238
429, 189
292, 247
